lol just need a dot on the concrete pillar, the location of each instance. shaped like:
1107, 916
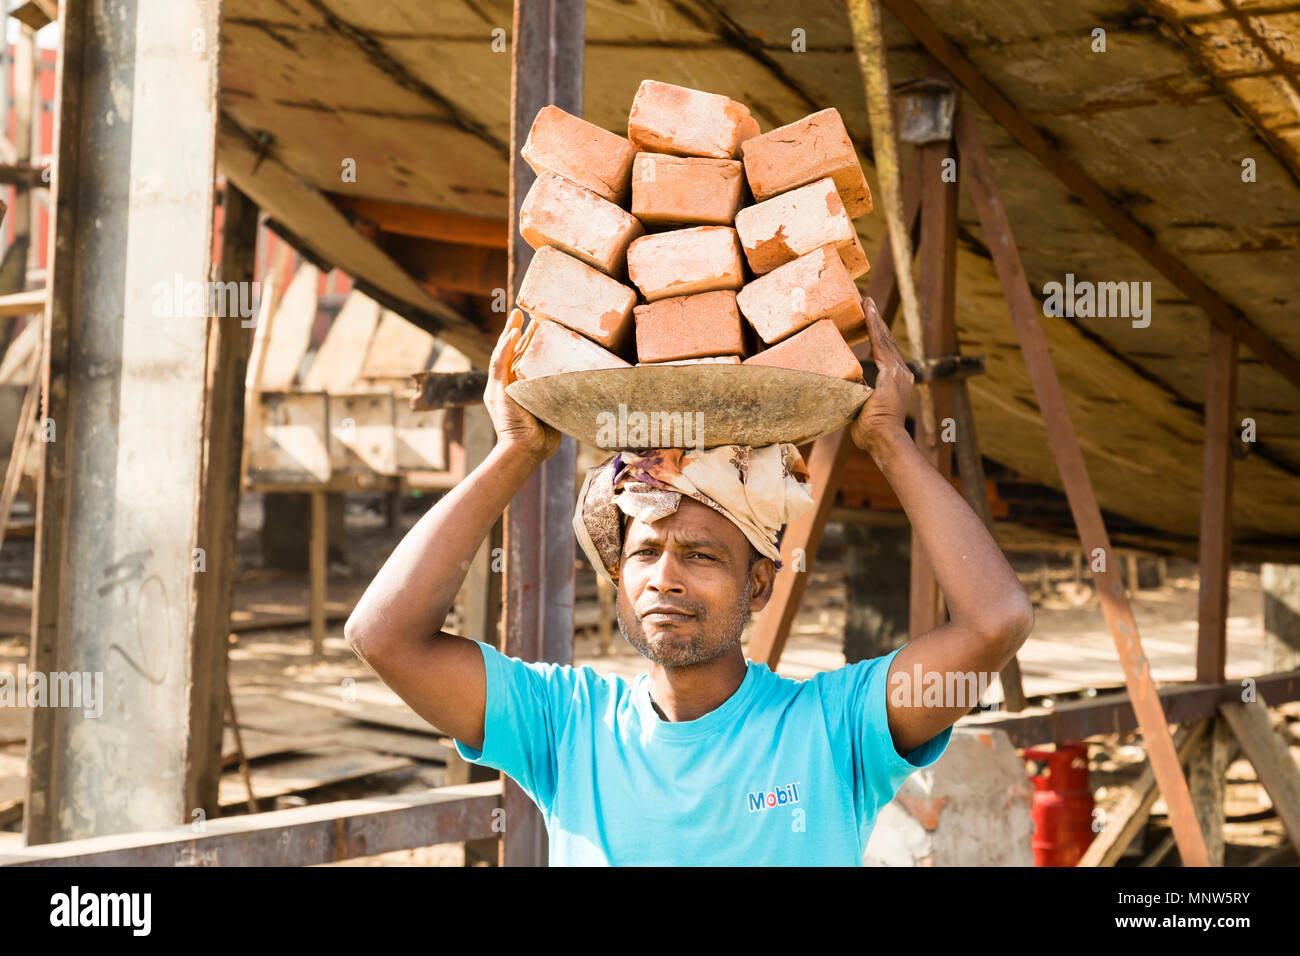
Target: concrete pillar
970, 809
124, 378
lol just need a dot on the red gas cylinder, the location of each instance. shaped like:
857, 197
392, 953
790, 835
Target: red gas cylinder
1062, 810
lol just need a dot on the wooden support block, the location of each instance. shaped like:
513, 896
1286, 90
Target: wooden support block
577, 221
685, 122
290, 335
362, 436
686, 190
562, 289
793, 224
338, 361
420, 438
805, 151
289, 438
581, 152
686, 262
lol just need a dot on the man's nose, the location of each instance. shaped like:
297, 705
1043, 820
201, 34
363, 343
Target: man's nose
666, 575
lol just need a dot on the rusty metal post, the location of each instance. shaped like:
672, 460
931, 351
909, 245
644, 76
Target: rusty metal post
538, 539
1078, 487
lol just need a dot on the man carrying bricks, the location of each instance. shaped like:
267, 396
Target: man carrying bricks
708, 758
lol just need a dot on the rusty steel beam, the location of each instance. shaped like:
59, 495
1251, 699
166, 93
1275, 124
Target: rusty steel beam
1078, 487
1112, 713
303, 836
1111, 213
1216, 507
826, 462
538, 540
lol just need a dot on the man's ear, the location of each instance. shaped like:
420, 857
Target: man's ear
763, 579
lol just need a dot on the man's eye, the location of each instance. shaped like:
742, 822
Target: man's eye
701, 554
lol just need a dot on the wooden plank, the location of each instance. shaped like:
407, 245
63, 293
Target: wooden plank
424, 223
303, 836
1130, 816
420, 437
1111, 213
25, 427
1274, 765
259, 743
1207, 771
16, 366
223, 439
339, 360
397, 348
267, 306
1216, 506
1083, 502
404, 744
290, 335
447, 267
317, 767
24, 303
319, 552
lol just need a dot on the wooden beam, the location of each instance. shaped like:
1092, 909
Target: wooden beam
1271, 757
36, 14
1127, 820
826, 462
24, 303
317, 564
303, 836
1078, 486
424, 223
547, 69
447, 266
223, 440
284, 196
1216, 506
1110, 212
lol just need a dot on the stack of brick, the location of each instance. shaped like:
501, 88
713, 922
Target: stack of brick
695, 239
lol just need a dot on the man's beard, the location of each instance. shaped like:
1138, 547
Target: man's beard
708, 643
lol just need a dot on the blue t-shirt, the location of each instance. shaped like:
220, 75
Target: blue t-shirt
783, 773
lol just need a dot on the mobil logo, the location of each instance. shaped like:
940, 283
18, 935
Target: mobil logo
778, 797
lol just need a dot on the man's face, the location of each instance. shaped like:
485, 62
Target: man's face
686, 586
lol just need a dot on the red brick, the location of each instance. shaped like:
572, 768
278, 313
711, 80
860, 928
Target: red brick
797, 294
685, 122
685, 190
688, 326
706, 360
548, 348
686, 261
563, 289
559, 213
793, 224
581, 152
819, 348
805, 151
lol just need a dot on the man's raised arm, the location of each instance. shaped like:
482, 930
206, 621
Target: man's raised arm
396, 627
990, 615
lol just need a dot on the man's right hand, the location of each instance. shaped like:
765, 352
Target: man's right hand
516, 428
